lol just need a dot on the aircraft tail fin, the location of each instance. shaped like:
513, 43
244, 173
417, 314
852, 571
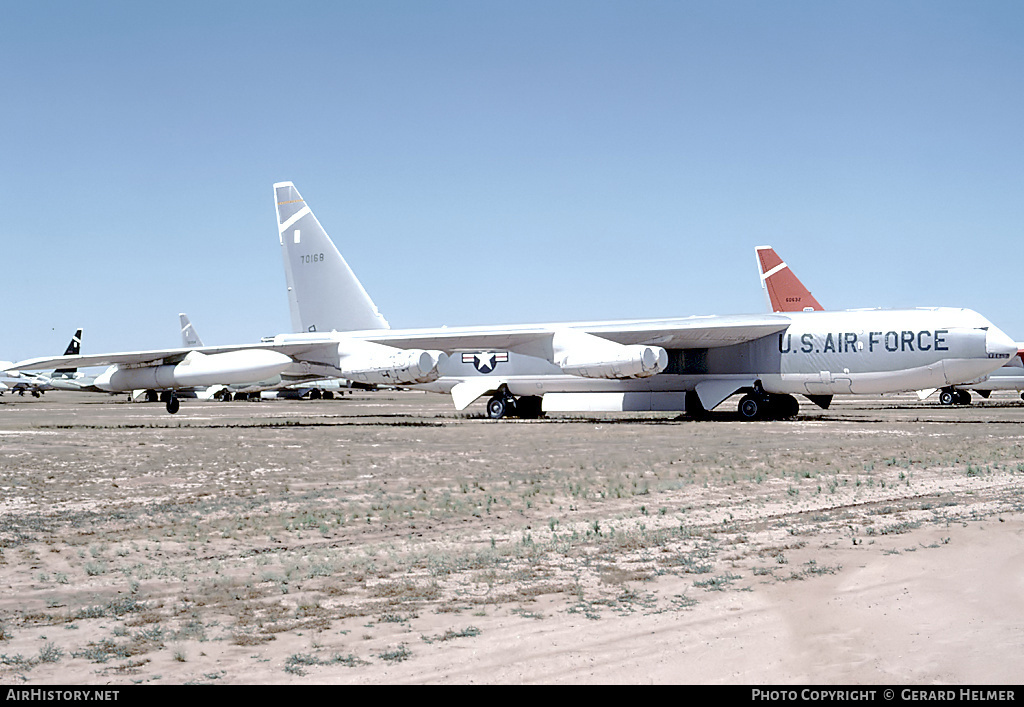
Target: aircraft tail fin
74, 348
323, 292
785, 292
189, 336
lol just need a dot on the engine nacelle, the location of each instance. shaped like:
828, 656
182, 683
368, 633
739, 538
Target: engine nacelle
367, 362
197, 370
581, 354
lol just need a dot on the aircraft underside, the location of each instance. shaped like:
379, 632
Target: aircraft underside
695, 381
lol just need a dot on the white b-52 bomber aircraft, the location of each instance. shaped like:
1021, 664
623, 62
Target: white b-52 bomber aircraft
687, 364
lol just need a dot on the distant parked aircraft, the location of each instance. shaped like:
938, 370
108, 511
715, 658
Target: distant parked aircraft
36, 384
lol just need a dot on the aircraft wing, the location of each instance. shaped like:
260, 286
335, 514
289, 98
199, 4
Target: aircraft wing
689, 332
161, 356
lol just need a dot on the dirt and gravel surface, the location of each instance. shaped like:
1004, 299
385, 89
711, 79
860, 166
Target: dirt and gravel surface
385, 538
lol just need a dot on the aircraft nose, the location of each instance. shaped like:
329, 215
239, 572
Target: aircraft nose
998, 344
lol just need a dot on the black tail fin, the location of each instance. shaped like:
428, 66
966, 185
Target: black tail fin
74, 348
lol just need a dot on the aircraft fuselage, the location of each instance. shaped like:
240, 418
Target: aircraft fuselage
819, 353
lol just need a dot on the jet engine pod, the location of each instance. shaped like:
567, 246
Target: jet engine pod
581, 354
197, 370
387, 365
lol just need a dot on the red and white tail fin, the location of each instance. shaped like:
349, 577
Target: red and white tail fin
785, 292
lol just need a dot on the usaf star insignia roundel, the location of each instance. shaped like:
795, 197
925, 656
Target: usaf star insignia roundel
485, 361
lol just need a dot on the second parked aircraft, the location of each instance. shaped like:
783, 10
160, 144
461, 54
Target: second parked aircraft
787, 294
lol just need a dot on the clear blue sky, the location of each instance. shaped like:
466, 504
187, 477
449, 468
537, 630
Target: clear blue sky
486, 162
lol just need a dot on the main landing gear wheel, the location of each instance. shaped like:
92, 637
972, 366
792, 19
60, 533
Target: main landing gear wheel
501, 406
528, 407
173, 404
951, 396
752, 407
786, 406
768, 406
507, 405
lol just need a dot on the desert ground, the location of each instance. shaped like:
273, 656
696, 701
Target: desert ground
384, 538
